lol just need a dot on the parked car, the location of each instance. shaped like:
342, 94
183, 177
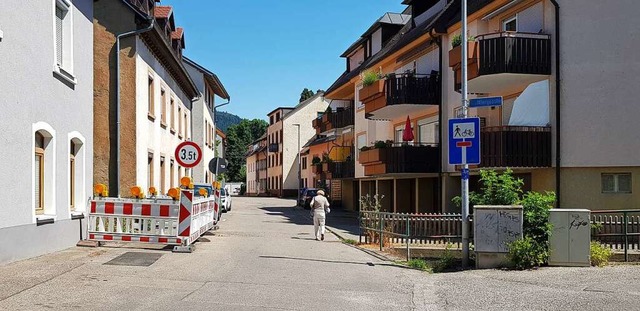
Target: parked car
225, 200
305, 198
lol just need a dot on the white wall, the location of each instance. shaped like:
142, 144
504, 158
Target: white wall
376, 41
33, 97
356, 59
303, 115
150, 135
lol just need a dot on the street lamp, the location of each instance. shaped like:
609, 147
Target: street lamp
299, 164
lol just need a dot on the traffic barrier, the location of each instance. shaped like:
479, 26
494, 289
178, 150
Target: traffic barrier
159, 221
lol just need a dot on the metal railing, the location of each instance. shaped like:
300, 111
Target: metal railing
410, 229
514, 52
413, 89
516, 146
617, 229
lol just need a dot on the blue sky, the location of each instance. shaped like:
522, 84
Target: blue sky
266, 51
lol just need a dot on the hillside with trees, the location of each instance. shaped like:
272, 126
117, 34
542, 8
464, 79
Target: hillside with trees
225, 119
239, 137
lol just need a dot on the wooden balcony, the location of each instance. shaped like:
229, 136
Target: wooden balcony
400, 160
401, 95
339, 170
504, 60
334, 120
515, 146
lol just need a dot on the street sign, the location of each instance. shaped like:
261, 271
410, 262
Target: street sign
485, 102
464, 174
464, 141
188, 154
220, 163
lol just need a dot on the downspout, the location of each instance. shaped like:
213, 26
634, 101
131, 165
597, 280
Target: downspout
118, 37
557, 43
438, 41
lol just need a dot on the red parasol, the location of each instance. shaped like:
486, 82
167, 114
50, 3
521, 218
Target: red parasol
407, 134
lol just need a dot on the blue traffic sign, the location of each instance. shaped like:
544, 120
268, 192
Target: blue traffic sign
485, 102
464, 173
464, 141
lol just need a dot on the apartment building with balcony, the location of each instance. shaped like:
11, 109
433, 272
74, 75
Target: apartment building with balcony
204, 128
289, 128
142, 96
256, 164
564, 125
47, 125
399, 49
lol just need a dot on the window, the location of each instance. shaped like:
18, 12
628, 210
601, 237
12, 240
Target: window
63, 39
150, 170
172, 174
510, 24
150, 94
361, 142
304, 163
39, 173
206, 133
428, 131
179, 122
163, 102
163, 188
172, 115
616, 183
73, 151
186, 126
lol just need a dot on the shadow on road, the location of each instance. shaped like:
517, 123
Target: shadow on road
371, 264
339, 219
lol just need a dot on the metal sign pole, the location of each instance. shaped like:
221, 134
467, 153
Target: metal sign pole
465, 114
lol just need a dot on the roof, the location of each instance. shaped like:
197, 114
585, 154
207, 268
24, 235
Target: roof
221, 133
280, 108
319, 140
178, 33
162, 11
304, 104
387, 18
211, 78
261, 138
405, 36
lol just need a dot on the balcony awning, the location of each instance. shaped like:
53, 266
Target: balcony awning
531, 108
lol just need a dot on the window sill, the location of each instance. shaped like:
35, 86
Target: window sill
77, 215
64, 75
163, 125
151, 117
45, 220
173, 131
180, 136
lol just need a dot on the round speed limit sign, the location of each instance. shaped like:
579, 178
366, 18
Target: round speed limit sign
188, 154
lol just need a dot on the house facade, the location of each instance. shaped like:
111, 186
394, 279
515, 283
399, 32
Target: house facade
204, 129
256, 165
47, 128
150, 91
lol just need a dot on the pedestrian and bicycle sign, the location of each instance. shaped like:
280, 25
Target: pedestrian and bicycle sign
464, 141
188, 154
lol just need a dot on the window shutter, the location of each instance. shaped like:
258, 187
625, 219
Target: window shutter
624, 183
59, 20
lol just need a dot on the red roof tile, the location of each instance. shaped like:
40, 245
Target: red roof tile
162, 11
178, 33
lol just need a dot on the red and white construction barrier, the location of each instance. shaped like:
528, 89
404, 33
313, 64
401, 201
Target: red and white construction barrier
158, 221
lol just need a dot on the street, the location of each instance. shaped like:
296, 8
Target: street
264, 257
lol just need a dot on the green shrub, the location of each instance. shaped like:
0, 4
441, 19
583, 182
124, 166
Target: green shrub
420, 264
380, 144
315, 160
369, 78
536, 209
350, 241
456, 40
445, 262
526, 253
365, 148
495, 189
600, 254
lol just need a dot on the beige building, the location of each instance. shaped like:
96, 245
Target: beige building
256, 166
289, 129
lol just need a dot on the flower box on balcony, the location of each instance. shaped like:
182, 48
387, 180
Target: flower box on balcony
372, 91
455, 54
372, 155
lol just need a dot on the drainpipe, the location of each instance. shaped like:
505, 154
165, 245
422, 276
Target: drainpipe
557, 7
118, 37
215, 136
438, 41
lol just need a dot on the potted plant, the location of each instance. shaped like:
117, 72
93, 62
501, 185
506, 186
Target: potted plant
316, 165
372, 86
326, 162
456, 51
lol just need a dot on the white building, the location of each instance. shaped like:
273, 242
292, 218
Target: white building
203, 124
46, 124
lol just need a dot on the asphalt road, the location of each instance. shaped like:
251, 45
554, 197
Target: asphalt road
264, 257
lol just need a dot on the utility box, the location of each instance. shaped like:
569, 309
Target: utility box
495, 226
570, 237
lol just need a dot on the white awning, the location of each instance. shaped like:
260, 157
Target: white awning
531, 108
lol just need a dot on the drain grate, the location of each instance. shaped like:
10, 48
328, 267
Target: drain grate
135, 259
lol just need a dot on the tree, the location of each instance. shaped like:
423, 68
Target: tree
306, 94
240, 136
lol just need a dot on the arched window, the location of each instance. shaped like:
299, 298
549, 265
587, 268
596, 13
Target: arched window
77, 172
39, 173
44, 170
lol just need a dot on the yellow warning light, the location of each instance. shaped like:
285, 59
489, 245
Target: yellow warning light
185, 181
174, 193
153, 190
203, 192
136, 192
100, 190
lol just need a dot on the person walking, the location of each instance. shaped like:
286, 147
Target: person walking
319, 208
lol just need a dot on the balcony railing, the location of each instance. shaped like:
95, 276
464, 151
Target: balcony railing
334, 120
413, 89
401, 159
512, 52
516, 146
341, 170
144, 5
